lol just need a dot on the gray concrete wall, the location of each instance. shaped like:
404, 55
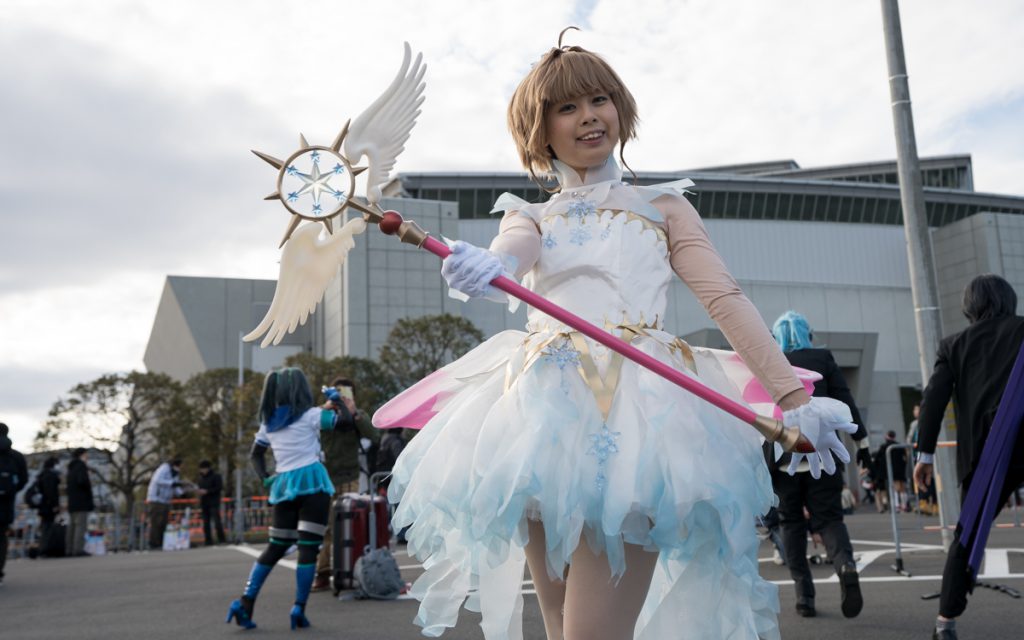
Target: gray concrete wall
384, 280
198, 321
983, 243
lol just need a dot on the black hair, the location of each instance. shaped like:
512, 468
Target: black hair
285, 387
342, 381
988, 296
205, 464
51, 462
3, 429
79, 452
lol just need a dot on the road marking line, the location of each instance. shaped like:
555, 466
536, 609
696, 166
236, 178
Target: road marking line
249, 551
997, 563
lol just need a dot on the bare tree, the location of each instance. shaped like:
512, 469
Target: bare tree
134, 419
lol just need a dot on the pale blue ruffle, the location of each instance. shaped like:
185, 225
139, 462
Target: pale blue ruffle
303, 481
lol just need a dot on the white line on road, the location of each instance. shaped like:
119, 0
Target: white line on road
249, 551
997, 563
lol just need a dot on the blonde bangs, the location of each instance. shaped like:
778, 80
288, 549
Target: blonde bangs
561, 75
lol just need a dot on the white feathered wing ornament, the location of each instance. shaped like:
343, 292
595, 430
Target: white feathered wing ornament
309, 262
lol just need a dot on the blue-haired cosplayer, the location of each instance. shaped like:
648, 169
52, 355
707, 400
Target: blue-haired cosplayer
300, 488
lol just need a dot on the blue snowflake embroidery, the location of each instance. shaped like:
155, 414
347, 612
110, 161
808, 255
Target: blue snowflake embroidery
291, 170
549, 241
340, 195
293, 196
338, 169
580, 208
602, 446
563, 355
607, 232
315, 156
579, 236
317, 209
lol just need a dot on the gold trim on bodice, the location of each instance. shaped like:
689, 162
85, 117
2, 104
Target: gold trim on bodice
603, 387
630, 217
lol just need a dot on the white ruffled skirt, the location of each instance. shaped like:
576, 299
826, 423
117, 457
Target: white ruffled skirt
514, 433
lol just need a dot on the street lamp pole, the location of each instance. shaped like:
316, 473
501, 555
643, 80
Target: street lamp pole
927, 317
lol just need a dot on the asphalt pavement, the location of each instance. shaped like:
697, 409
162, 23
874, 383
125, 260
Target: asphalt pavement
185, 594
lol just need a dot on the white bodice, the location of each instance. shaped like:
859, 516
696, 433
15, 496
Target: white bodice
604, 266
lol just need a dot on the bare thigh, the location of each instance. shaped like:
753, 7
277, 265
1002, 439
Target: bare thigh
550, 593
596, 606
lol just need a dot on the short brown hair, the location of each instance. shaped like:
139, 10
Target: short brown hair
563, 74
342, 381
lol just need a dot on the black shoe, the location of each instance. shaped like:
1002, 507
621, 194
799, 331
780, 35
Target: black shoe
849, 585
805, 608
945, 634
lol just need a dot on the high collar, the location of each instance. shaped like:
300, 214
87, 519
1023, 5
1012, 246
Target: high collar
568, 178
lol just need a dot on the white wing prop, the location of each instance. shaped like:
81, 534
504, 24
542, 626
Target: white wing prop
308, 264
380, 132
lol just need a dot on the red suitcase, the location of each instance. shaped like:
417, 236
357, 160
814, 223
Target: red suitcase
351, 535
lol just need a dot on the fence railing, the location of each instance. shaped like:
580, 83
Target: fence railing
130, 532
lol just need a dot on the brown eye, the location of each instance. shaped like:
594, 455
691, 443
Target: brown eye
566, 108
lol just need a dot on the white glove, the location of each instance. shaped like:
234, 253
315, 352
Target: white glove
470, 269
818, 421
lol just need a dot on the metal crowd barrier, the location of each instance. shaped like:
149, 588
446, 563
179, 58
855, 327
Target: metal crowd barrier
130, 532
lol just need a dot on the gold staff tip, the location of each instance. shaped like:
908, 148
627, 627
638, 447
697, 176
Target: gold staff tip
269, 159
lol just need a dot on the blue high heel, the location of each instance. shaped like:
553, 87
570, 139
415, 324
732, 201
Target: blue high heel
242, 617
298, 617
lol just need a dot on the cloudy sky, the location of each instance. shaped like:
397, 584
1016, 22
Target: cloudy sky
125, 126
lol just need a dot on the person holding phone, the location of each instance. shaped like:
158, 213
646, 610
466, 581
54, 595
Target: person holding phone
341, 457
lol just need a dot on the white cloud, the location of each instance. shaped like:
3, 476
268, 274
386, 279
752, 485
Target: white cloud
127, 124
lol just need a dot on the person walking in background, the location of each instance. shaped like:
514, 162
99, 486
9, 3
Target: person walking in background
341, 457
49, 500
80, 502
164, 486
926, 495
13, 478
974, 368
211, 486
899, 473
821, 497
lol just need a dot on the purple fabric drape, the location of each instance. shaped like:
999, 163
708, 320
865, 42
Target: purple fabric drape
982, 499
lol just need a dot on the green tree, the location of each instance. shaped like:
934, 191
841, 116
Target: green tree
135, 419
416, 347
219, 408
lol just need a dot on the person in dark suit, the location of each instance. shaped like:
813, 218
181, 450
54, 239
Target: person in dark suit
211, 486
972, 368
49, 504
822, 497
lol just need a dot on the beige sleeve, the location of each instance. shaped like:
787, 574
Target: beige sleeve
696, 261
518, 236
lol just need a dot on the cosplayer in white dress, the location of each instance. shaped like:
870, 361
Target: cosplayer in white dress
548, 425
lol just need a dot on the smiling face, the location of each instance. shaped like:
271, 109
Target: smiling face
583, 131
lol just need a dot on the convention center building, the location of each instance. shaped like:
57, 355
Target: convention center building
827, 242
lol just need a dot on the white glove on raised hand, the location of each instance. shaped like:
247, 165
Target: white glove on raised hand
818, 421
470, 269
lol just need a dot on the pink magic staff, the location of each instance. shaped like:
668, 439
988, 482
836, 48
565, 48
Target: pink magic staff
391, 223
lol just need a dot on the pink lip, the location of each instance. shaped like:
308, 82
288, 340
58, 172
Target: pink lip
596, 141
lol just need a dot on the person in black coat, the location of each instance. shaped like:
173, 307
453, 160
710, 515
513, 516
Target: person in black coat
821, 497
973, 368
49, 503
211, 487
80, 502
13, 478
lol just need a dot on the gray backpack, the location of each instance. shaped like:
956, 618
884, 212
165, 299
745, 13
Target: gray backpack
378, 575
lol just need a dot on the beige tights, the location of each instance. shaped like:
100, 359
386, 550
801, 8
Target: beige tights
589, 605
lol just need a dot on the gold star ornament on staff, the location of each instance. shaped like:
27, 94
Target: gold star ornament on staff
317, 183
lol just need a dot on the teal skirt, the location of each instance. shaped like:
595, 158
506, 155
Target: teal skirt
303, 481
